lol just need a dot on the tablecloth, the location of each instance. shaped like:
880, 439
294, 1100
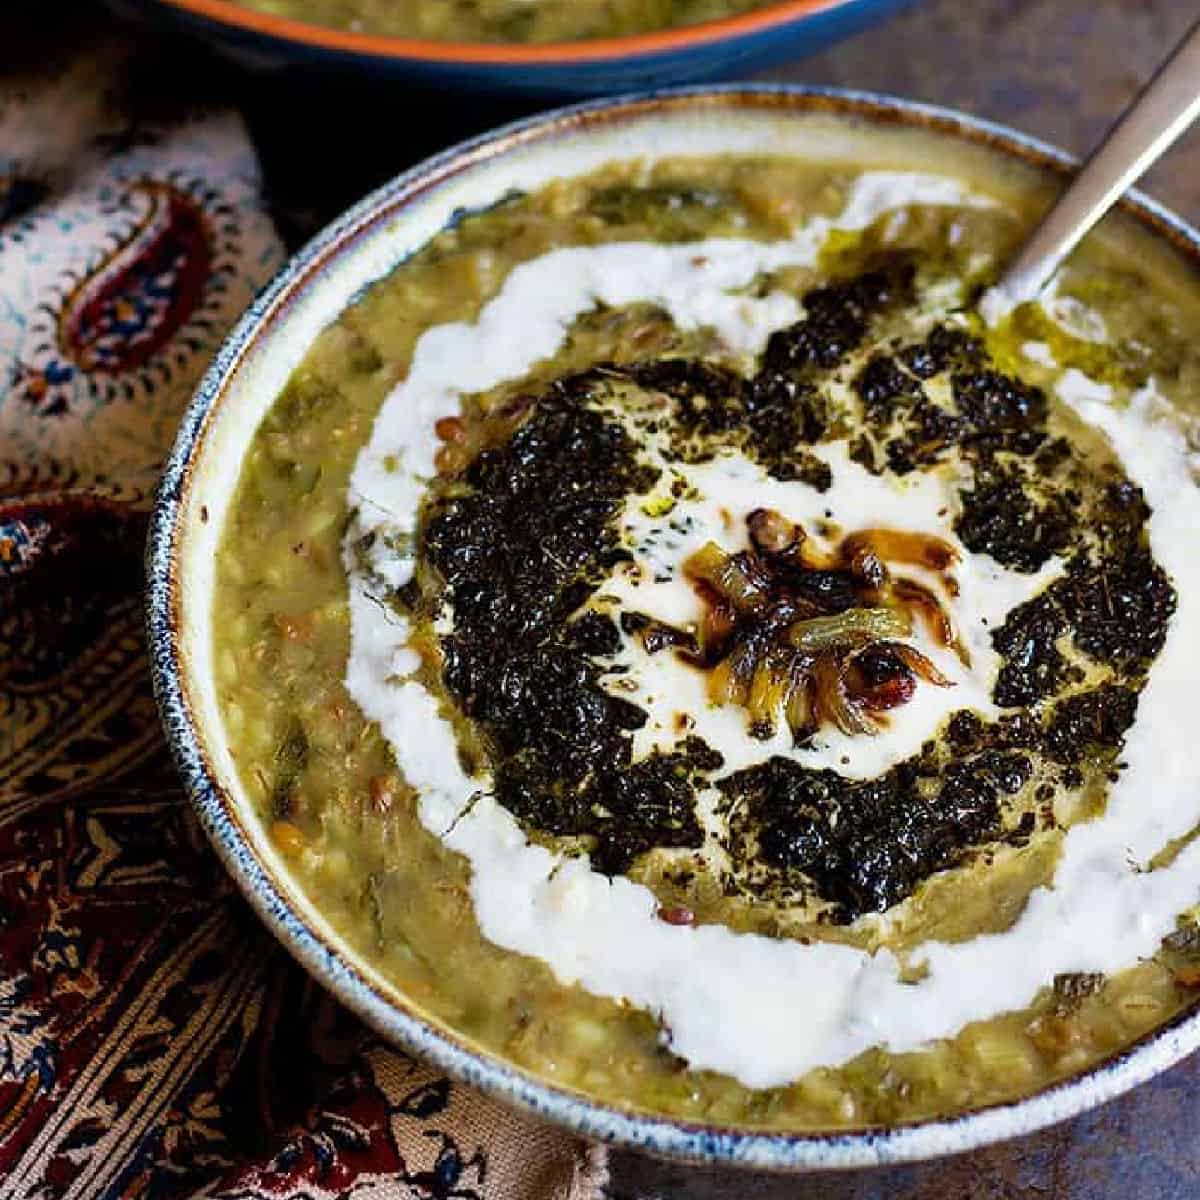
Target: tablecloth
154, 1041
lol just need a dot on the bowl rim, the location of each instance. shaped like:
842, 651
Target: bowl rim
401, 1024
774, 16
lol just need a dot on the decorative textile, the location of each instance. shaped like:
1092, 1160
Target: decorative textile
154, 1041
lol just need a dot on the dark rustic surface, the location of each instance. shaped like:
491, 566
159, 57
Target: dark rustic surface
1058, 69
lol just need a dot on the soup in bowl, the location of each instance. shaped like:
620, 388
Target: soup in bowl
522, 48
505, 20
648, 643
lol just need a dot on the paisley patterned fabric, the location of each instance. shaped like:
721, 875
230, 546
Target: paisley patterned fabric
153, 1039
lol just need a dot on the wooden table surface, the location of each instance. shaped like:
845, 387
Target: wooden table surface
1059, 69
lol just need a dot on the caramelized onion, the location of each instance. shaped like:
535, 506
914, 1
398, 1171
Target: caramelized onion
737, 578
714, 629
790, 627
916, 662
918, 596
677, 915
450, 429
723, 686
867, 567
855, 626
767, 691
743, 661
902, 546
773, 533
799, 706
833, 700
877, 679
891, 694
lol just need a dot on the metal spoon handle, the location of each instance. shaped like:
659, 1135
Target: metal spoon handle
1167, 106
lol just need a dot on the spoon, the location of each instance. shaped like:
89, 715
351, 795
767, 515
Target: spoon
1167, 106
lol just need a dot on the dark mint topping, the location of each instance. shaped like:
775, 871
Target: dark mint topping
1120, 610
836, 320
1071, 990
784, 411
770, 416
992, 403
520, 539
811, 470
1033, 667
1090, 721
943, 349
865, 844
992, 412
520, 543
1116, 613
1002, 517
708, 399
883, 386
593, 634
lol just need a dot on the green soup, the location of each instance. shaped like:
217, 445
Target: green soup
505, 20
560, 534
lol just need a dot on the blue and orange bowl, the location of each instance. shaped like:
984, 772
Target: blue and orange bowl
713, 50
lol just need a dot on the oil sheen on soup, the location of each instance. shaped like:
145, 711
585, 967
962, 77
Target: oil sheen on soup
691, 654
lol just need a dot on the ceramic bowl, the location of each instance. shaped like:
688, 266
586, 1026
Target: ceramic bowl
245, 378
781, 32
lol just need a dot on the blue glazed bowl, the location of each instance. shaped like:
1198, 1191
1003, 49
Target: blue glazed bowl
250, 370
713, 50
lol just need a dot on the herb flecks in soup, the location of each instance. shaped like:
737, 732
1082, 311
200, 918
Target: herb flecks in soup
753, 664
505, 20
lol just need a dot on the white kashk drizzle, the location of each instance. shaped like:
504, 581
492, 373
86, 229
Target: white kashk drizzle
766, 1011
